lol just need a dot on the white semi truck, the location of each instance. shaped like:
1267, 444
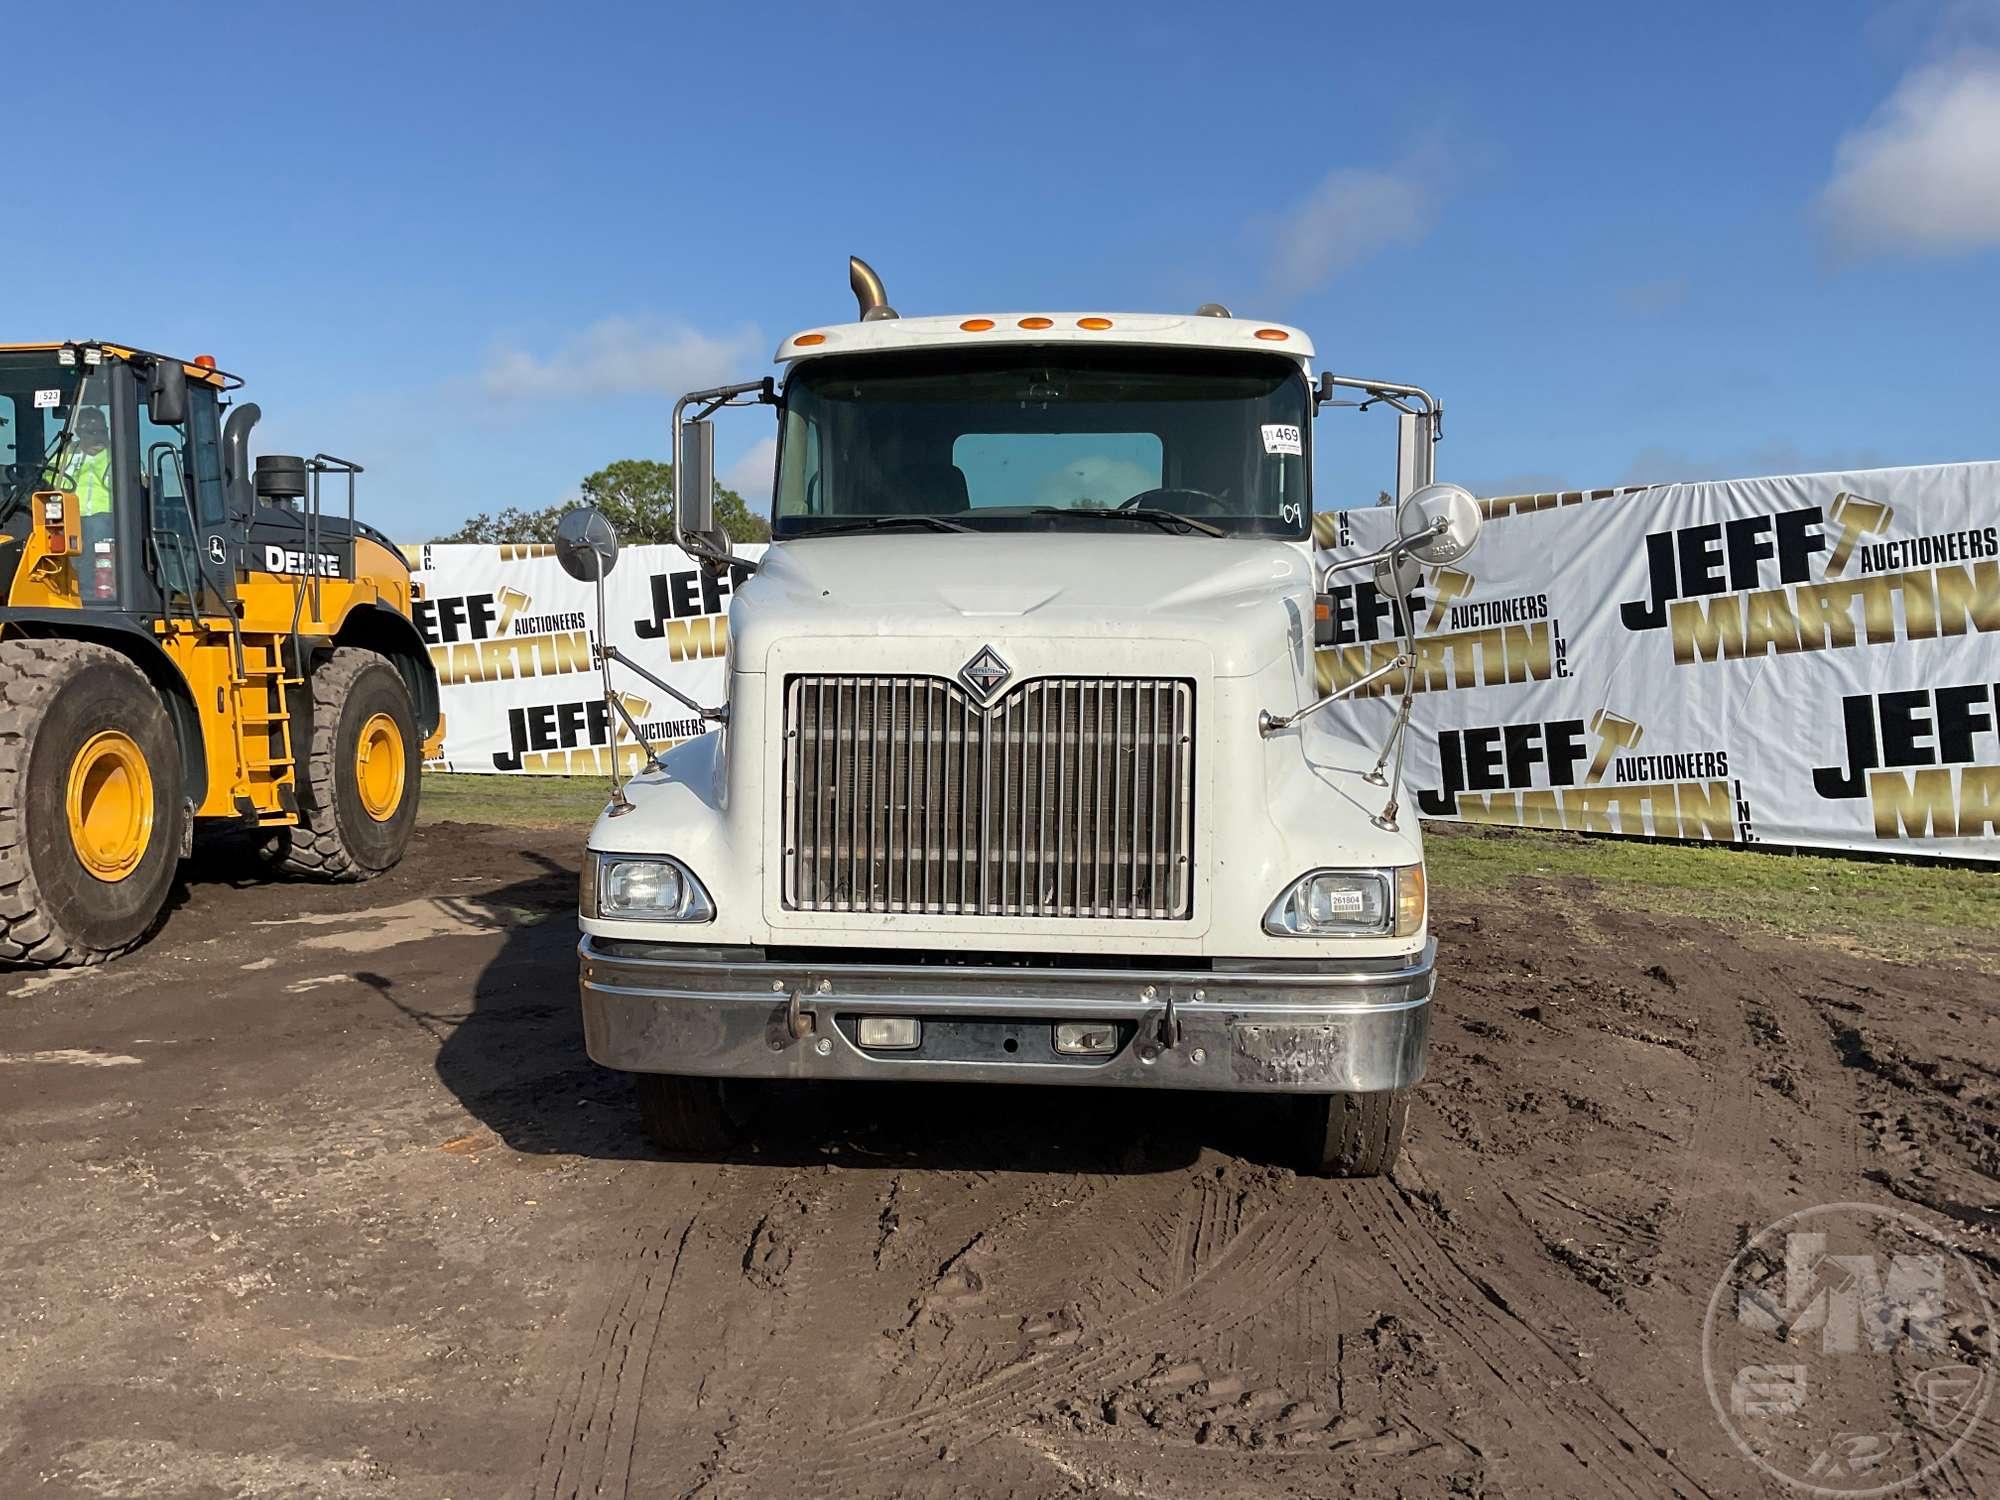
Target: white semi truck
1026, 772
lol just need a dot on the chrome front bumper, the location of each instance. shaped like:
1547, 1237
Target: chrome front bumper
664, 1008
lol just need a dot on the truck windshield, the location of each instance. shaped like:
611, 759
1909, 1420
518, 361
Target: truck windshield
999, 439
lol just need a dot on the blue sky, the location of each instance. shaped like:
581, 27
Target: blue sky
479, 248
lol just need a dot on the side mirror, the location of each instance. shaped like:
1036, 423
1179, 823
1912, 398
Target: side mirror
1438, 524
694, 481
166, 393
586, 544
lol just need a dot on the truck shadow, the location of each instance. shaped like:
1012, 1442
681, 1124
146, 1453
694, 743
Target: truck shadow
516, 1061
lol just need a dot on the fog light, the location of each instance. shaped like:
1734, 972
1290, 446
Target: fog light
1089, 1037
888, 1033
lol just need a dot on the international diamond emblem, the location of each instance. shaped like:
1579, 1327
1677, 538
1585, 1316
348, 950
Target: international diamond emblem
985, 672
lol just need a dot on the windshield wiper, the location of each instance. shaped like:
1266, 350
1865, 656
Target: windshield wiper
1167, 520
870, 523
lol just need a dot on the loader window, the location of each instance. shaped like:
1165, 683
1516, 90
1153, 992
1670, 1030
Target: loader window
163, 461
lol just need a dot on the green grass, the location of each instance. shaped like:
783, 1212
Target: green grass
514, 801
1899, 909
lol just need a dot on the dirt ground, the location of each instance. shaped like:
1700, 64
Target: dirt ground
318, 1195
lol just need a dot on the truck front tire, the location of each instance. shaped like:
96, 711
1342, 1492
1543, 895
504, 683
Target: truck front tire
1352, 1135
694, 1116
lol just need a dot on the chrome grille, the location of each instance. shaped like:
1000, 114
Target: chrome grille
1067, 797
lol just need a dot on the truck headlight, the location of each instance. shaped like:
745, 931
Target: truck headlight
645, 888
1350, 903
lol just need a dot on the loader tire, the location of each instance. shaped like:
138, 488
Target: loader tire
358, 783
1353, 1135
91, 802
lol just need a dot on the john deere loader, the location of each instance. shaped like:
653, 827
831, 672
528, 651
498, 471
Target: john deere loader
187, 638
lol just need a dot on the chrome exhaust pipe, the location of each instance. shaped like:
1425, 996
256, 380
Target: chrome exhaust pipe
868, 291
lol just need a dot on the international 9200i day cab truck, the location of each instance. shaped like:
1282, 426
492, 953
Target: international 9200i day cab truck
1026, 772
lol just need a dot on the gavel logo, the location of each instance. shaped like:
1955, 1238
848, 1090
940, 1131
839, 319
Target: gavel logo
1856, 516
1614, 733
1447, 584
637, 707
512, 602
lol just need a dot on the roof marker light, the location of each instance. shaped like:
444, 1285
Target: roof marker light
807, 340
976, 325
1038, 322
1093, 323
1273, 334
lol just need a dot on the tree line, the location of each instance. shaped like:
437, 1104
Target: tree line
636, 496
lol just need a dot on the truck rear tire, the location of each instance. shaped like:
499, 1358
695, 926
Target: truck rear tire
90, 802
1352, 1135
358, 790
693, 1116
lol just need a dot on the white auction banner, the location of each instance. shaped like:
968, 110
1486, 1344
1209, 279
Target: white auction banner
1805, 660
514, 641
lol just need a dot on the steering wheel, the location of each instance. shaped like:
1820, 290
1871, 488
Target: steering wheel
1168, 497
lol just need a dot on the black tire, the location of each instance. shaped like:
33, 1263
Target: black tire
695, 1116
1352, 1135
56, 697
337, 837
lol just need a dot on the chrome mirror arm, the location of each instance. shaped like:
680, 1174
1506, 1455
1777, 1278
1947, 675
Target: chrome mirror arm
1397, 548
762, 392
1269, 723
720, 715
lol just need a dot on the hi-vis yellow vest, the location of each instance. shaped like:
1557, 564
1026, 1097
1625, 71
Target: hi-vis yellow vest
89, 474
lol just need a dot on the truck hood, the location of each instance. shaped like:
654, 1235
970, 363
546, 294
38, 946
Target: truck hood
1247, 600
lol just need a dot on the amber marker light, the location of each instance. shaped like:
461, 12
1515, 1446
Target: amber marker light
807, 340
1093, 323
1275, 335
976, 325
1038, 322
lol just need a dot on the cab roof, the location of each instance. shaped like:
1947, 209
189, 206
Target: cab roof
973, 330
222, 380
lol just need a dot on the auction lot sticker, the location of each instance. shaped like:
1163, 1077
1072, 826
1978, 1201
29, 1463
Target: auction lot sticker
1850, 1350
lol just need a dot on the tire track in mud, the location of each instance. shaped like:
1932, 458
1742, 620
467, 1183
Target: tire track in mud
1235, 1282
1609, 1452
588, 1449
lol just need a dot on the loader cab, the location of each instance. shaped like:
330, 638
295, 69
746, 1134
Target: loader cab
111, 482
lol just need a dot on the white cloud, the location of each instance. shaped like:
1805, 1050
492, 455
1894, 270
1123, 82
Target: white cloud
750, 475
1923, 175
1354, 213
626, 357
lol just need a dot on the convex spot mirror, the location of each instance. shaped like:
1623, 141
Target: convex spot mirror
1418, 517
586, 544
166, 393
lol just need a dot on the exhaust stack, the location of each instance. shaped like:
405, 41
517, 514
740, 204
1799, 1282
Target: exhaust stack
868, 291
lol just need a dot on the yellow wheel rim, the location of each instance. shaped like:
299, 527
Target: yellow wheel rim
110, 804
379, 767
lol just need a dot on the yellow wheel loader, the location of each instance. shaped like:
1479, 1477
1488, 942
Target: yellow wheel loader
187, 637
